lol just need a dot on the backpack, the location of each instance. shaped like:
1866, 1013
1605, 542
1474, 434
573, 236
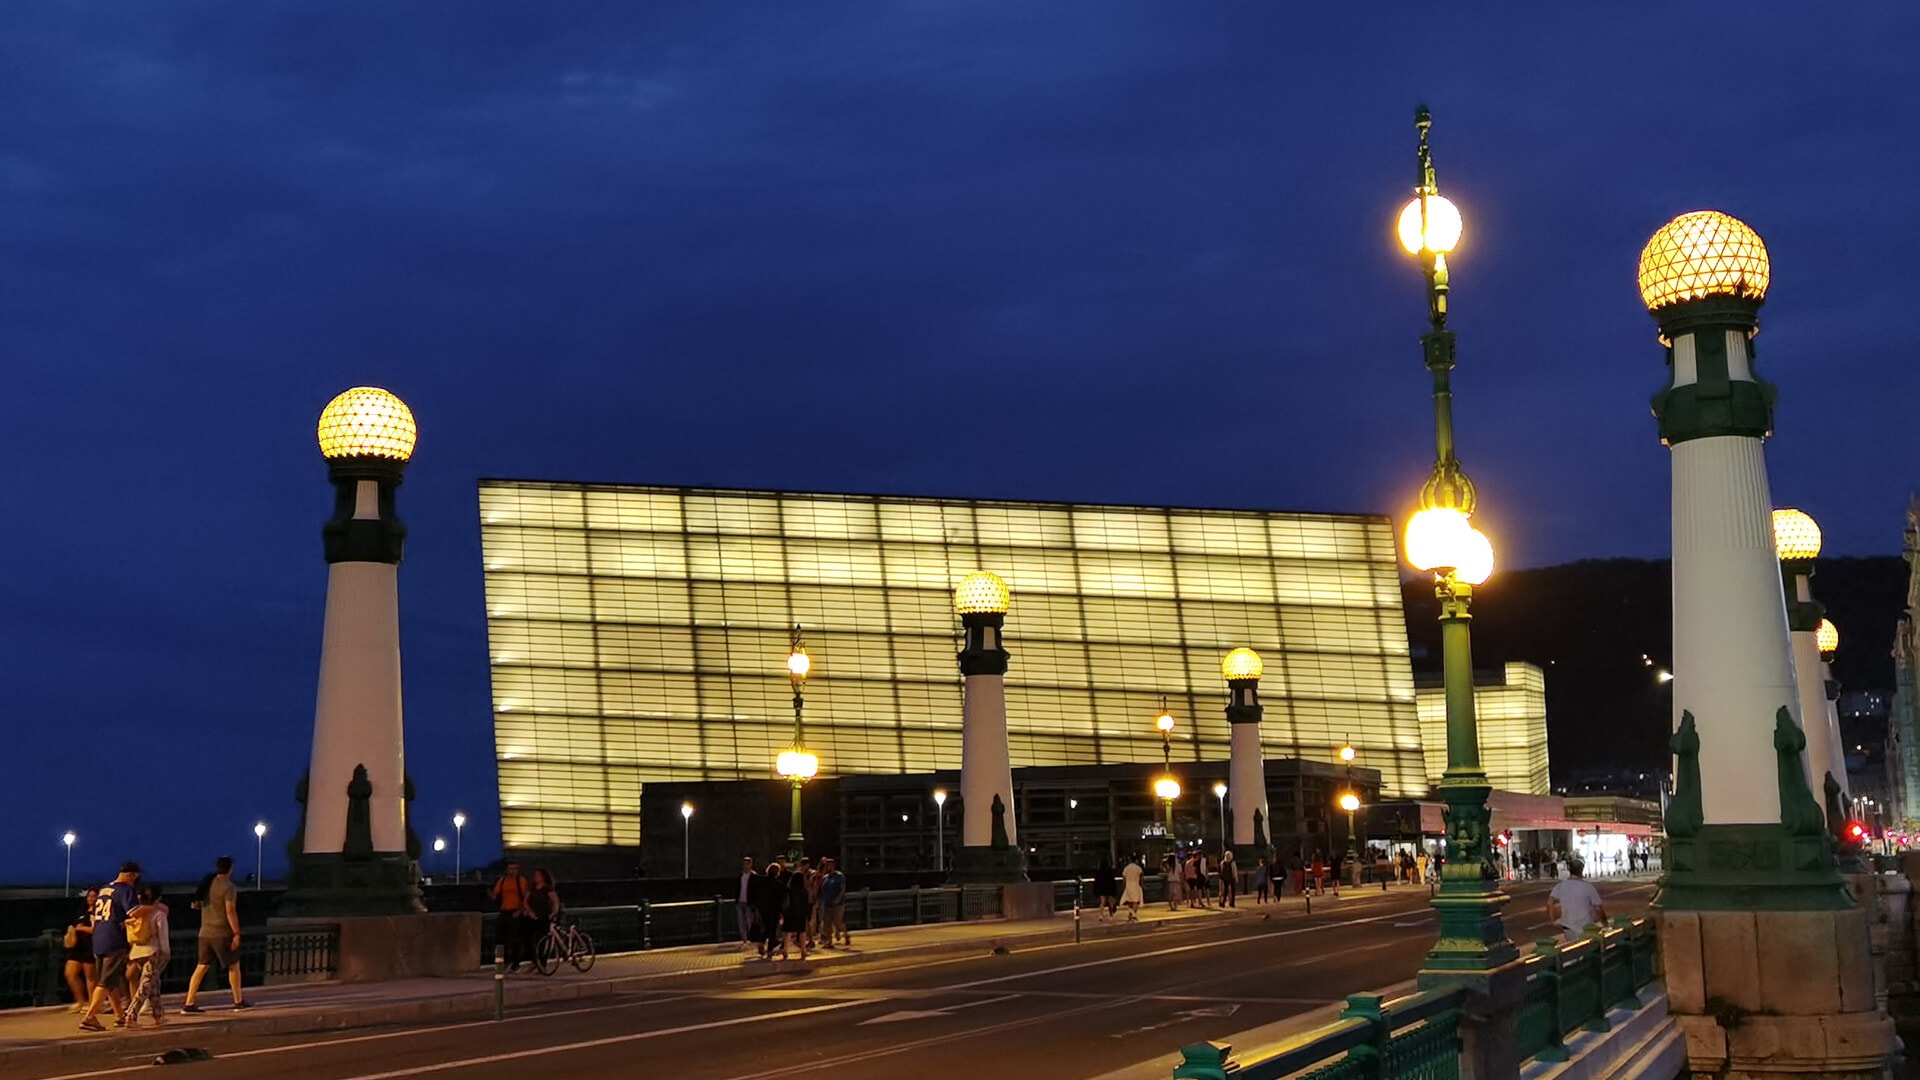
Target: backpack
139, 930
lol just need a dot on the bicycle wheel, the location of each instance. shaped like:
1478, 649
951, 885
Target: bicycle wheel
583, 956
546, 956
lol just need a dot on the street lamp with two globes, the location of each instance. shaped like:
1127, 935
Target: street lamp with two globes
795, 763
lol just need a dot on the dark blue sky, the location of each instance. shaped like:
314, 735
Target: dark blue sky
1100, 251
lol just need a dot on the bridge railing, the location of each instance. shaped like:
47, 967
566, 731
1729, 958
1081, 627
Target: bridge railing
32, 969
1570, 987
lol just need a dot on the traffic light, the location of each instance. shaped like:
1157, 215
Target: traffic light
1856, 832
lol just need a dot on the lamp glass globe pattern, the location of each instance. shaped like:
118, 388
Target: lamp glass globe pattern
367, 421
982, 593
1827, 636
1795, 536
1429, 223
1703, 253
1167, 788
1242, 664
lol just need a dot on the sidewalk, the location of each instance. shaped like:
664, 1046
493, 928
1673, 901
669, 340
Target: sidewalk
39, 1035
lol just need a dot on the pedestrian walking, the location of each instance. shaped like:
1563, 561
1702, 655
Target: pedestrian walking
1175, 872
78, 943
1420, 868
511, 923
1106, 889
1199, 891
833, 905
110, 947
219, 938
743, 911
1228, 873
768, 901
799, 905
1318, 874
148, 954
543, 906
814, 876
1132, 896
1575, 904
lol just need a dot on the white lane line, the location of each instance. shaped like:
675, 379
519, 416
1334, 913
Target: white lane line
611, 1040
147, 1066
1130, 957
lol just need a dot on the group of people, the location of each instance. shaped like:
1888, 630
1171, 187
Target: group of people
118, 950
527, 908
798, 907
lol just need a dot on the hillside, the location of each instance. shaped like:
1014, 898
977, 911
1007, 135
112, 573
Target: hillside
1589, 623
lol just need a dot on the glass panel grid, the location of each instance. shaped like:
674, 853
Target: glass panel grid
640, 633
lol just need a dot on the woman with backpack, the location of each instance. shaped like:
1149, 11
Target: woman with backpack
148, 954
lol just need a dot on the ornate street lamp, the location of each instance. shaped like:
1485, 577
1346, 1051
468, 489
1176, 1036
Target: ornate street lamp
1167, 788
459, 824
795, 763
259, 855
68, 840
686, 840
1796, 540
1442, 541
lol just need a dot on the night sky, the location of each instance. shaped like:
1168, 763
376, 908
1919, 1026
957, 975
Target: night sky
1094, 251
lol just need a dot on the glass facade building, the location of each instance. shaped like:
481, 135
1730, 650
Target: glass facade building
641, 633
1510, 706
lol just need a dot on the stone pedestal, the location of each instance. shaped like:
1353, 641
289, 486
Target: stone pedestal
1027, 900
1490, 1022
1770, 993
381, 948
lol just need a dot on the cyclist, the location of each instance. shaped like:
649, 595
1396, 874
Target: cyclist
543, 904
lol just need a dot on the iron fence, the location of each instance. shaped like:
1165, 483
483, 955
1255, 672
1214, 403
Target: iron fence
32, 970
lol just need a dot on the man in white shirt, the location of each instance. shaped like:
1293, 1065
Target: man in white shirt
743, 902
1574, 903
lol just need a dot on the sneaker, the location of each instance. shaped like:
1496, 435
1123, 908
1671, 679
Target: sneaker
190, 1007
238, 1005
90, 1024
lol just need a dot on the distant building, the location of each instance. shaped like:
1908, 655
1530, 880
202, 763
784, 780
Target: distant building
638, 636
1511, 706
1903, 723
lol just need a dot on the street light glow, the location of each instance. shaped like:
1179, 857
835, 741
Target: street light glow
259, 829
1429, 224
797, 763
459, 820
1242, 664
68, 839
1665, 676
367, 421
439, 843
1827, 637
1164, 722
799, 664
1220, 789
939, 796
1349, 802
1167, 788
686, 810
982, 592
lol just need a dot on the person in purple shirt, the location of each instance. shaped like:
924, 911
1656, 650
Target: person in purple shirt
110, 947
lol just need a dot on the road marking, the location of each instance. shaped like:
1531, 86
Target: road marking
1180, 1018
918, 1044
1241, 940
922, 1014
611, 1040
146, 1065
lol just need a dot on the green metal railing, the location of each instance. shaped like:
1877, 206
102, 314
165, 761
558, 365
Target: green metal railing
1416, 1037
32, 969
1570, 988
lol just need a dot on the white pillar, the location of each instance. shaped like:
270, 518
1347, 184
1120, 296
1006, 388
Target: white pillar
1732, 665
985, 768
1824, 752
1831, 709
1247, 784
357, 717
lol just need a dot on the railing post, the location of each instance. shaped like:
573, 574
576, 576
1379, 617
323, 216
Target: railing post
646, 925
1628, 950
916, 905
866, 908
719, 921
499, 982
1205, 1061
1597, 1020
1548, 950
1372, 1056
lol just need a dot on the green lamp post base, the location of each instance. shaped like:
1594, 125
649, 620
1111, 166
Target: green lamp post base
1473, 938
1751, 868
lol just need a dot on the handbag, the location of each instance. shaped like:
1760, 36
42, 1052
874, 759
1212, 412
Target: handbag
139, 930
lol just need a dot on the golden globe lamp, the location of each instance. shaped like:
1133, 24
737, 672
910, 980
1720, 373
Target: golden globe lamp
367, 421
799, 664
1827, 637
1700, 254
1167, 788
982, 593
1429, 225
1349, 802
1242, 664
1164, 722
1795, 536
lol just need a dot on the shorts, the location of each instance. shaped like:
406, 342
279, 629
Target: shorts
215, 948
833, 920
111, 972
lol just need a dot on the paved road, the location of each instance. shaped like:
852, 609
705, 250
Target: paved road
1055, 1010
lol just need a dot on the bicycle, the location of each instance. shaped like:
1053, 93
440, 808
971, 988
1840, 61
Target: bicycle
563, 942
